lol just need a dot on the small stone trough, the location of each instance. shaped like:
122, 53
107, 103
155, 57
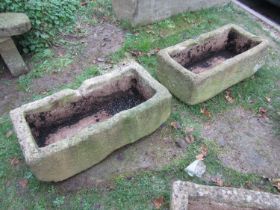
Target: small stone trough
70, 131
190, 196
198, 69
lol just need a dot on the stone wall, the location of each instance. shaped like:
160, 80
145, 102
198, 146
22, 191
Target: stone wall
148, 11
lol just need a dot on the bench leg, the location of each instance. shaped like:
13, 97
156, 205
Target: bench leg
12, 58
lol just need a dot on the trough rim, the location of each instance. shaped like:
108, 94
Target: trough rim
165, 53
33, 153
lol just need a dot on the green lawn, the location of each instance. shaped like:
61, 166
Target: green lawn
137, 192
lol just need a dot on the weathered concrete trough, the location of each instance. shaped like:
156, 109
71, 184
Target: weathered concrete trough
190, 196
148, 11
198, 69
68, 132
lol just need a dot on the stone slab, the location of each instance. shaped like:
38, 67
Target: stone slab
11, 57
193, 88
12, 24
183, 192
93, 143
148, 11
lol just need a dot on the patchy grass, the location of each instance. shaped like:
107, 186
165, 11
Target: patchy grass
137, 192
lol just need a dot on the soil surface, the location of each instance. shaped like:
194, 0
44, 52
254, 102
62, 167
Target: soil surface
98, 42
204, 205
150, 153
55, 125
249, 143
205, 56
210, 61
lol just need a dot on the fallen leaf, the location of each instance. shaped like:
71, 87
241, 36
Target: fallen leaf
219, 182
14, 161
175, 125
189, 130
276, 183
136, 53
153, 52
200, 157
204, 150
268, 99
205, 112
263, 112
9, 133
23, 183
228, 97
189, 138
158, 202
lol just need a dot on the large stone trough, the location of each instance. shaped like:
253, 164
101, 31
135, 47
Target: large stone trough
70, 131
198, 69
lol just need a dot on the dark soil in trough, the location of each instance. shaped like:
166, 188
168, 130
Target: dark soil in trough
50, 127
212, 60
205, 56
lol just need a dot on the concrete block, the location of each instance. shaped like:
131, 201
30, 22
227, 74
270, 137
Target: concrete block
186, 194
149, 11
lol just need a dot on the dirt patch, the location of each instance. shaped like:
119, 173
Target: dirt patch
206, 205
98, 42
249, 143
64, 121
150, 153
214, 51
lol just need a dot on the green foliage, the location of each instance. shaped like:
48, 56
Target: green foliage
48, 17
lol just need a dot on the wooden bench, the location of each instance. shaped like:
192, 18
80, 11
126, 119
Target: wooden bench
12, 24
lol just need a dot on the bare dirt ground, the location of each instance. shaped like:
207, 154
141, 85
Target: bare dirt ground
99, 41
149, 153
249, 143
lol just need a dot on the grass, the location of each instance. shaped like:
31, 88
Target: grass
138, 191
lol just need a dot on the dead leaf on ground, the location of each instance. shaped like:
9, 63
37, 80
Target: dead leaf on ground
136, 53
189, 130
189, 138
153, 52
219, 182
203, 153
268, 99
9, 133
158, 202
23, 183
14, 161
229, 97
200, 157
205, 112
175, 125
263, 112
204, 150
276, 183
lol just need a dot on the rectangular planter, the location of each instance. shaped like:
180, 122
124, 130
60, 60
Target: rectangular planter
148, 11
187, 195
70, 131
198, 69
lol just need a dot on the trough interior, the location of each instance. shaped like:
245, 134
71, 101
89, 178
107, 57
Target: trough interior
213, 51
204, 204
64, 121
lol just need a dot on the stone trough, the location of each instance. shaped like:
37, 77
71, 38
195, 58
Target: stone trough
70, 131
190, 196
198, 69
